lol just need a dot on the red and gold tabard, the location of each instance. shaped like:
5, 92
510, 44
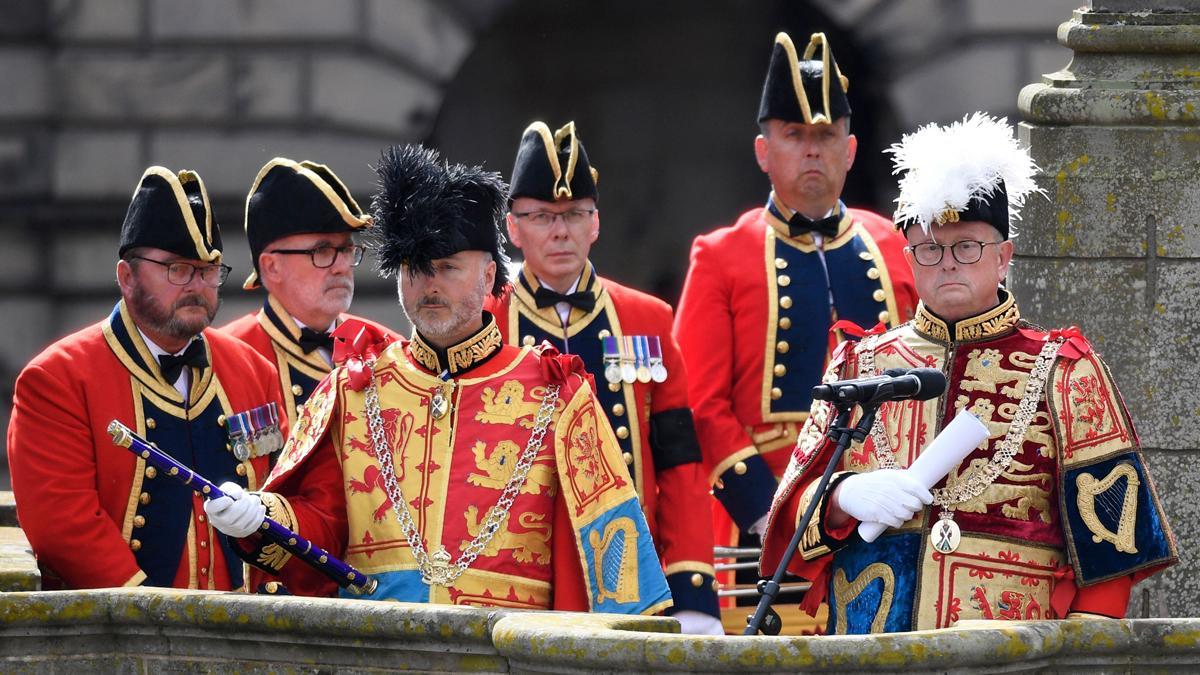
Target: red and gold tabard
573, 536
651, 419
1067, 525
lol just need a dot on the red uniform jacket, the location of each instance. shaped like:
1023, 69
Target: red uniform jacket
652, 420
754, 327
94, 513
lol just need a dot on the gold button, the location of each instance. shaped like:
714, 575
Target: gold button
785, 302
614, 386
628, 457
241, 469
784, 280
144, 498
135, 544
776, 393
865, 255
151, 472
622, 433
715, 586
150, 423
618, 409
697, 580
229, 447
785, 323
299, 409
204, 544
782, 346
879, 295
203, 570
780, 370
271, 586
220, 420
200, 517
527, 341
740, 468
780, 264
297, 390
605, 333
884, 316
139, 521
873, 273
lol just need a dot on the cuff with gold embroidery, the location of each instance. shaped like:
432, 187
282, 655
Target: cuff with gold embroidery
746, 489
818, 539
257, 551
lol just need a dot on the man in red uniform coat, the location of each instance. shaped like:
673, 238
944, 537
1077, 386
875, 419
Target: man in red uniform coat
300, 221
762, 295
453, 468
557, 297
95, 514
1054, 515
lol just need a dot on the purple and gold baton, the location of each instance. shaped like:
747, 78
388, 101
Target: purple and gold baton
344, 575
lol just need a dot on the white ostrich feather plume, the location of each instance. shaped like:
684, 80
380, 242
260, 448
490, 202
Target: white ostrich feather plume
945, 167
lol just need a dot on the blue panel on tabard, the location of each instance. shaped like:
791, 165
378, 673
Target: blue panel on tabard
402, 586
899, 553
611, 543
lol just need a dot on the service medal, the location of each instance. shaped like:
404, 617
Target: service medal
241, 450
438, 405
658, 372
628, 373
612, 373
945, 534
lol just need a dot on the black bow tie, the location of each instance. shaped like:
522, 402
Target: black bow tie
545, 297
799, 224
311, 339
193, 356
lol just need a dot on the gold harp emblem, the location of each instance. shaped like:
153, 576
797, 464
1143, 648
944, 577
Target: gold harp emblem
1093, 492
614, 557
845, 591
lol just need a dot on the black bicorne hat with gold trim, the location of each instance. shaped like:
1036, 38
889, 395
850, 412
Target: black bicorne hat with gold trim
800, 88
297, 198
426, 209
552, 166
170, 211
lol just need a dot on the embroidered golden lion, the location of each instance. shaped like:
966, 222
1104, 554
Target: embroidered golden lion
507, 405
1028, 497
498, 465
531, 545
985, 371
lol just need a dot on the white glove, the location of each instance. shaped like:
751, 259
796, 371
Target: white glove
887, 496
238, 513
692, 622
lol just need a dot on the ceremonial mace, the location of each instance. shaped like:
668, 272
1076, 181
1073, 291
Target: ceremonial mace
342, 574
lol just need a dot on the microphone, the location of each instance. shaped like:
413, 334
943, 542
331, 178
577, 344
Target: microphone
897, 384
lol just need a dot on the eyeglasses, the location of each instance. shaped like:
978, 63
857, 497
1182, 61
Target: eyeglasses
181, 273
324, 256
966, 252
572, 218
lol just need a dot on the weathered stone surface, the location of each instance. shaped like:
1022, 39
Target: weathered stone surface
165, 86
284, 20
103, 164
24, 79
1172, 410
96, 19
1173, 593
268, 87
8, 509
387, 100
18, 567
420, 31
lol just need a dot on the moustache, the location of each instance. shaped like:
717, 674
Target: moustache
339, 285
432, 301
192, 301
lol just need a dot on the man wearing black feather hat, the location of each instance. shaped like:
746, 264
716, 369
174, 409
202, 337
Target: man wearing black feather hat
452, 468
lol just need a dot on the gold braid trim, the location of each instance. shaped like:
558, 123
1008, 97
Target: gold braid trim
994, 322
273, 556
461, 356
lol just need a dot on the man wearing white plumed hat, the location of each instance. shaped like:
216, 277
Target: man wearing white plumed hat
1055, 514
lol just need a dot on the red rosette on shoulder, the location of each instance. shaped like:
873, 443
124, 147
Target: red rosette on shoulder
354, 344
558, 367
1075, 345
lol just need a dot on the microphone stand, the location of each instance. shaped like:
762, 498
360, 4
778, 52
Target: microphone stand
765, 619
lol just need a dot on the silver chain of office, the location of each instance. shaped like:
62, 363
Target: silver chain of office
439, 570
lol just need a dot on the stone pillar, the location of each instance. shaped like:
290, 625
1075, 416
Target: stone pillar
1116, 247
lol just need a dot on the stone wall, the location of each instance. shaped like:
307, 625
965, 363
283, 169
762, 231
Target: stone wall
1116, 246
152, 630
